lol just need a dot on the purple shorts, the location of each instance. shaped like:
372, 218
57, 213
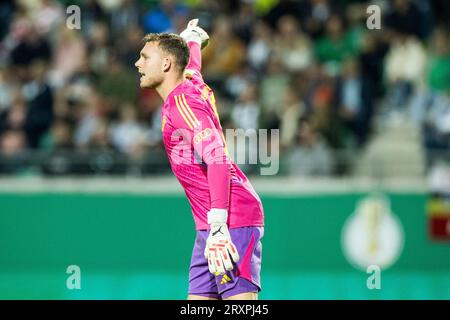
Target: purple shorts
245, 276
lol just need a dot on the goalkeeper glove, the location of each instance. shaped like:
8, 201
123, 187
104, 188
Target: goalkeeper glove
195, 33
220, 250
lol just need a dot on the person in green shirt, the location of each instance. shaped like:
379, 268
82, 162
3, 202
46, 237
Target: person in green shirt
336, 45
439, 67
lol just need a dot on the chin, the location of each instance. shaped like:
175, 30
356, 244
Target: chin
150, 84
146, 85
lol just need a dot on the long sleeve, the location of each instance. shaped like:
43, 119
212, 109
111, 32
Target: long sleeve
195, 59
219, 185
194, 67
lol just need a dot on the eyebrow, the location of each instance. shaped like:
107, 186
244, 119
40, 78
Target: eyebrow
143, 55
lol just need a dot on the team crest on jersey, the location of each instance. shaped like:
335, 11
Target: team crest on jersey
199, 137
163, 122
205, 93
188, 74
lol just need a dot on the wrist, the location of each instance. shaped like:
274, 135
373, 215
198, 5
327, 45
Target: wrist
217, 216
195, 39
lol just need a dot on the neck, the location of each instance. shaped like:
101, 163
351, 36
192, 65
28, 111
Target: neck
165, 88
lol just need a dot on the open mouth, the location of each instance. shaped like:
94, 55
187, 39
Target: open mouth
142, 75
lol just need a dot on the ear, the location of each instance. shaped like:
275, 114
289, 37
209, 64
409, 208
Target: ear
167, 63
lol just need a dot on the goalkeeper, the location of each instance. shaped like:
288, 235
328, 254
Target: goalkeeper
228, 214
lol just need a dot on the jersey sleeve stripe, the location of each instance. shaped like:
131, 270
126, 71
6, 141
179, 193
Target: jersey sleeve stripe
182, 112
214, 106
195, 121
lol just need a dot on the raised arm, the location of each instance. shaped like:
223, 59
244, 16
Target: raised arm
195, 59
197, 39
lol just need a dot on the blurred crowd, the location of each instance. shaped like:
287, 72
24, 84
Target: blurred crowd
310, 68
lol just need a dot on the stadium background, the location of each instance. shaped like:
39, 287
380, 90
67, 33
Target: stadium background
85, 180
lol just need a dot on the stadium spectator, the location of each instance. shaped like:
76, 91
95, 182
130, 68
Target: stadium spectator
404, 68
269, 63
292, 46
245, 114
260, 47
310, 155
291, 111
127, 135
335, 46
162, 17
224, 54
406, 18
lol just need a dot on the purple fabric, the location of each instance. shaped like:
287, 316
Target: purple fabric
202, 282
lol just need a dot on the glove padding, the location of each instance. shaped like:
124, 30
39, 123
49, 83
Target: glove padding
195, 33
220, 250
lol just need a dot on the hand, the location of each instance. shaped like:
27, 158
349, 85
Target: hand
195, 33
220, 250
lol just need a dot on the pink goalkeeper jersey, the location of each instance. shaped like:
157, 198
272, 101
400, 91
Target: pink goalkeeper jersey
194, 143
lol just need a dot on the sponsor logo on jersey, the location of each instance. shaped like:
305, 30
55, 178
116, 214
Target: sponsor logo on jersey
199, 137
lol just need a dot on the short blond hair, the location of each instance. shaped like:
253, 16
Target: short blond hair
172, 44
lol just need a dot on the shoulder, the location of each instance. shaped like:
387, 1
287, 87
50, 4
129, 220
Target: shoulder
187, 109
190, 95
190, 98
194, 76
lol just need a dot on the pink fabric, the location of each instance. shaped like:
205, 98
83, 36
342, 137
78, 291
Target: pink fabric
194, 143
219, 185
244, 269
195, 60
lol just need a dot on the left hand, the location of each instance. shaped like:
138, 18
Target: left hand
220, 250
195, 33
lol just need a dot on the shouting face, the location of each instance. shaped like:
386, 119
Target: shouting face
151, 65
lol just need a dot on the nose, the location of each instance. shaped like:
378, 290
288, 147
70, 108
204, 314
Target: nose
136, 64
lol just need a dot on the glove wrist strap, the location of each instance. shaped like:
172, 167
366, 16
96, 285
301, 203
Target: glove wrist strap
196, 39
217, 216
